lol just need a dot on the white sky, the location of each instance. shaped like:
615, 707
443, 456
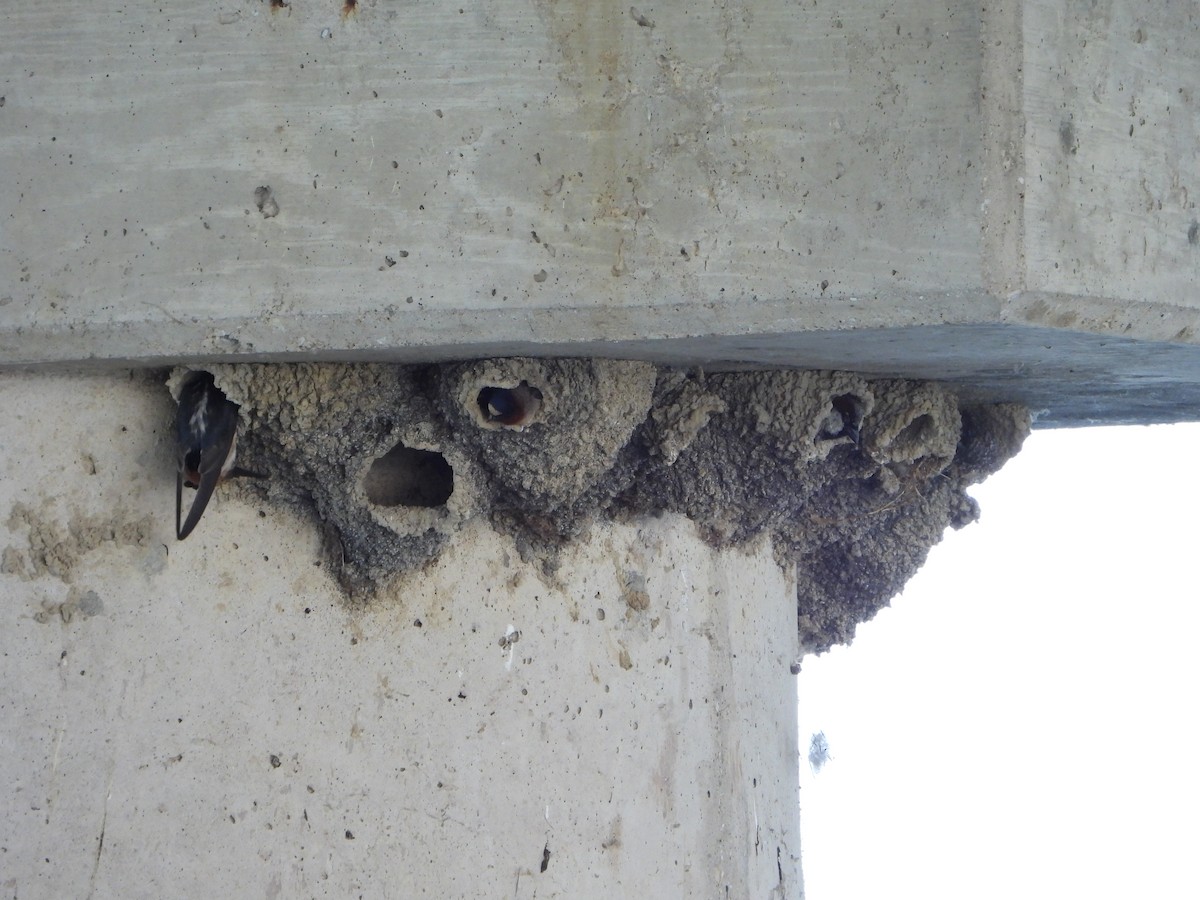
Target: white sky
1025, 720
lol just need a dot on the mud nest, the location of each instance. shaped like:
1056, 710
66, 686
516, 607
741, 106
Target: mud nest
854, 479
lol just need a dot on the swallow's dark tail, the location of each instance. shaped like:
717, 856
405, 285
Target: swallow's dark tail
208, 484
204, 492
178, 504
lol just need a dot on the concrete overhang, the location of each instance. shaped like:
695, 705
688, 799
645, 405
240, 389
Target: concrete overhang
1002, 199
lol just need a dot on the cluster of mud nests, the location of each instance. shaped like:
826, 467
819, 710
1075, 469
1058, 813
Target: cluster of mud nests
854, 479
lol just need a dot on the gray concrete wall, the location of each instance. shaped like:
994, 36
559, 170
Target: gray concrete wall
998, 198
740, 184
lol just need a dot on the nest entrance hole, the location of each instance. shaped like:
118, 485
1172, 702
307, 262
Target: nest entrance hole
916, 434
406, 476
513, 407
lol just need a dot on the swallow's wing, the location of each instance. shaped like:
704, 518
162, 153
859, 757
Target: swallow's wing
216, 443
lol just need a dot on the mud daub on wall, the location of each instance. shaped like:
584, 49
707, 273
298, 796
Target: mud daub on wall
854, 479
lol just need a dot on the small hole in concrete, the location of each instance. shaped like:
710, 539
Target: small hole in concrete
510, 407
405, 476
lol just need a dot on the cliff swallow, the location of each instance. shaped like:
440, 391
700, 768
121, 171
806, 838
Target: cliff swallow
843, 420
511, 407
818, 752
206, 429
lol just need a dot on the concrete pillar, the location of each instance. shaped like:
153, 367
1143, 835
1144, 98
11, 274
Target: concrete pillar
944, 215
211, 718
550, 682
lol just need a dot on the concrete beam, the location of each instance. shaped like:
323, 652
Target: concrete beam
893, 190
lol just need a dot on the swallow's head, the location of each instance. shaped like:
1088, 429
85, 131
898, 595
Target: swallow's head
844, 419
511, 407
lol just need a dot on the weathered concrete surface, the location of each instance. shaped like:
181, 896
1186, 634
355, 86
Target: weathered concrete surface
1001, 198
211, 715
889, 188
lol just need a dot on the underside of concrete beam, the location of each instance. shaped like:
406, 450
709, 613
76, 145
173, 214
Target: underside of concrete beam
1001, 198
